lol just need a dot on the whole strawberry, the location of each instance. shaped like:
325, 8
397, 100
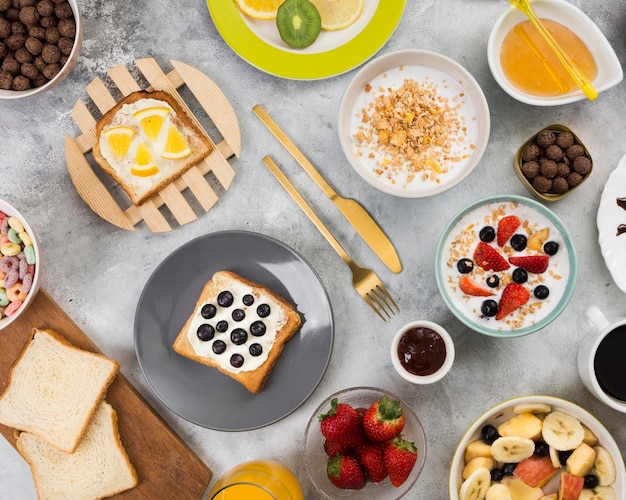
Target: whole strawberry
342, 425
371, 456
400, 457
383, 420
331, 448
345, 472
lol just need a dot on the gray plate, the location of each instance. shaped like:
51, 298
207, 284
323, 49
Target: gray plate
202, 394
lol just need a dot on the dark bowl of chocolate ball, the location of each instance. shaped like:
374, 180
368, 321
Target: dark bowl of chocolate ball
40, 41
553, 162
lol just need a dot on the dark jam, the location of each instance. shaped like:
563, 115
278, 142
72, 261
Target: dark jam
422, 351
609, 363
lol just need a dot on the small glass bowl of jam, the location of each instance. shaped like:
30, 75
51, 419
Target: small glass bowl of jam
422, 352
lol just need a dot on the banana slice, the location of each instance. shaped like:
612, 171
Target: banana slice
476, 485
604, 467
598, 493
562, 431
554, 457
498, 491
532, 408
512, 449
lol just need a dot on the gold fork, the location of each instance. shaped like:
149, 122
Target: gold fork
364, 280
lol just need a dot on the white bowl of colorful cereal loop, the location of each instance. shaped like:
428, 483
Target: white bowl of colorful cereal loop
506, 266
20, 264
330, 449
43, 51
529, 446
413, 123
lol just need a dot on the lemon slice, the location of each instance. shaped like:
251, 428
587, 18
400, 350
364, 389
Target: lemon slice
151, 120
119, 139
259, 9
338, 14
175, 145
143, 166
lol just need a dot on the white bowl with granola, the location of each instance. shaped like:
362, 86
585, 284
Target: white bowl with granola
413, 123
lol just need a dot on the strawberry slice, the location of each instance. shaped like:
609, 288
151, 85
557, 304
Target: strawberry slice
470, 287
488, 258
532, 263
513, 297
506, 227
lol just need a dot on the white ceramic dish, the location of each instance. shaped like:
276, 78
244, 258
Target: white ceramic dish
12, 211
65, 70
609, 68
610, 216
503, 411
424, 67
316, 458
441, 371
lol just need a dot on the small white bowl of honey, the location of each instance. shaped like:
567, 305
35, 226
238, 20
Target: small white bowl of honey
527, 69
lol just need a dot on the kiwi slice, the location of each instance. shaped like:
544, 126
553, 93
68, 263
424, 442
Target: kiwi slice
299, 23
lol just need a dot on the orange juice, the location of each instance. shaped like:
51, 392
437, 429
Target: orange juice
257, 480
530, 64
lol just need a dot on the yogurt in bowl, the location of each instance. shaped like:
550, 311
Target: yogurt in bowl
506, 266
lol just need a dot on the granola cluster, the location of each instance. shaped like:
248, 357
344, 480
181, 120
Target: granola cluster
416, 130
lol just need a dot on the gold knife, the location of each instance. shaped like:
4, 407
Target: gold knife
360, 219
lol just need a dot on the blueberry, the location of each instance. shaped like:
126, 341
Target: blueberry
465, 266
507, 469
238, 314
496, 475
489, 433
487, 234
248, 299
518, 242
238, 336
520, 275
222, 326
551, 247
236, 360
225, 299
205, 332
489, 308
564, 455
591, 481
493, 281
541, 292
263, 310
255, 349
258, 328
219, 346
541, 449
208, 311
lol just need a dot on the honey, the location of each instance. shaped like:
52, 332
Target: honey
530, 64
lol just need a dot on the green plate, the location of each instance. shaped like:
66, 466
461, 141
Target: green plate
333, 53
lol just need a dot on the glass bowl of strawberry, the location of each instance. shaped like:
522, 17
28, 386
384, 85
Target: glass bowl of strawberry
506, 266
364, 443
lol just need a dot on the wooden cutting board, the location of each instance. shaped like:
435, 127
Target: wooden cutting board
165, 465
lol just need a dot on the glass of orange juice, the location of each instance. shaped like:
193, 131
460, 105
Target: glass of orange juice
257, 480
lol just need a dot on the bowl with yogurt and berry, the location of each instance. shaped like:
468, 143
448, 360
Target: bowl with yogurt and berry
506, 266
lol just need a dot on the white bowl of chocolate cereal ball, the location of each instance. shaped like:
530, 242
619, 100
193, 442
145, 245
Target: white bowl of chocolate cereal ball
553, 162
40, 41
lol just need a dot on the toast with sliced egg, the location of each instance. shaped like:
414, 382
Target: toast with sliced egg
147, 141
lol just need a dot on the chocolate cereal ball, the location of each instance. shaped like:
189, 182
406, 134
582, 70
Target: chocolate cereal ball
63, 10
530, 152
12, 14
25, 3
29, 71
53, 35
582, 165
51, 70
48, 21
50, 53
5, 28
4, 5
65, 46
6, 80
67, 28
574, 151
530, 169
3, 50
14, 42
20, 82
574, 179
541, 184
33, 45
547, 167
562, 170
560, 185
554, 152
10, 65
37, 32
18, 28
23, 56
29, 15
546, 138
45, 8
564, 140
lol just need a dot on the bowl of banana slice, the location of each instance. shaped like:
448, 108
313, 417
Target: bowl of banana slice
538, 447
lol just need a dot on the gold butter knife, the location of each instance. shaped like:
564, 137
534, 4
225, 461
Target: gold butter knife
360, 219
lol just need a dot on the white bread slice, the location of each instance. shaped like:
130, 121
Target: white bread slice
54, 388
97, 469
281, 325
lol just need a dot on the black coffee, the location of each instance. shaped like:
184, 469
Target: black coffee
610, 363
